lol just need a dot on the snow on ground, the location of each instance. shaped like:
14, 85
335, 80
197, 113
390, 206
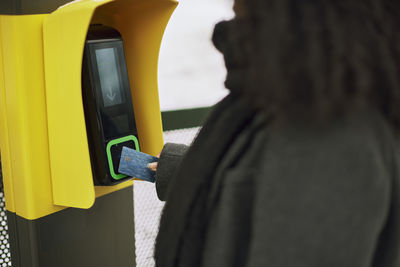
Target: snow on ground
148, 208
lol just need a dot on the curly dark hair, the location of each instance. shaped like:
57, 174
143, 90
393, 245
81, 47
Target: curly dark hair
321, 58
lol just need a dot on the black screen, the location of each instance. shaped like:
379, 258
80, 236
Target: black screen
110, 119
110, 80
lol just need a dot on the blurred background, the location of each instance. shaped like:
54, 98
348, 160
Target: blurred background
191, 79
191, 70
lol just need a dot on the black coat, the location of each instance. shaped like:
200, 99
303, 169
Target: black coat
252, 192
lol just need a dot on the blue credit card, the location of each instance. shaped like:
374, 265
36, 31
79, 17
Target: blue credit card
134, 164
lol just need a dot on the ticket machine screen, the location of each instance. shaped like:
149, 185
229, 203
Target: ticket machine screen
110, 120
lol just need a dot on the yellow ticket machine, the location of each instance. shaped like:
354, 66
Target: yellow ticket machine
62, 123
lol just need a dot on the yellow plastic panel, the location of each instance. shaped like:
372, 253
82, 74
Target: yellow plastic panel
64, 33
24, 141
141, 24
4, 140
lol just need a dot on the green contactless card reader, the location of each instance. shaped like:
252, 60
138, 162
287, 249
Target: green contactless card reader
110, 120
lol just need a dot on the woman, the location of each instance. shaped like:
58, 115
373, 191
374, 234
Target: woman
299, 165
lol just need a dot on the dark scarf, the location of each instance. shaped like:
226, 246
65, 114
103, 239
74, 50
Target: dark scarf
232, 39
182, 228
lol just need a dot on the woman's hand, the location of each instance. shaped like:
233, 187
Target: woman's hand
152, 166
